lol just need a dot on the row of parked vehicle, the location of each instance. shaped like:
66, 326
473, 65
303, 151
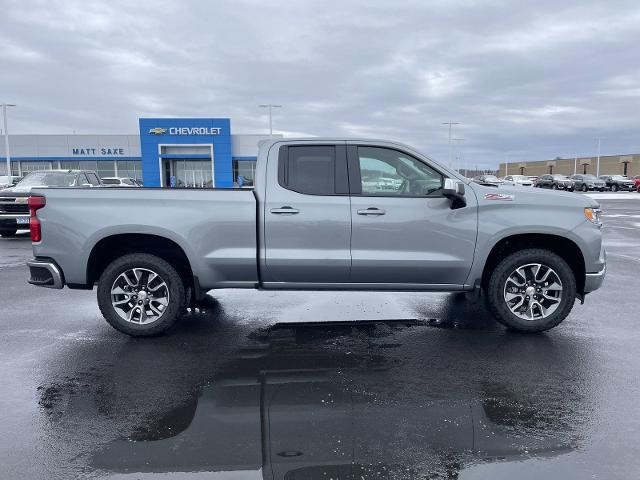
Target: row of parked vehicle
14, 210
556, 181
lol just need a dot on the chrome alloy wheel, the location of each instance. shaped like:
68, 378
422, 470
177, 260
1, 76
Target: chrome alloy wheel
533, 291
140, 296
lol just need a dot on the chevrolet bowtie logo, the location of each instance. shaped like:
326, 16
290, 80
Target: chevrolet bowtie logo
157, 131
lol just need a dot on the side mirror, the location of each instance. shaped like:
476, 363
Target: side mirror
454, 191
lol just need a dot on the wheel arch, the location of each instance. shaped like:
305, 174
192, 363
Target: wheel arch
562, 246
114, 246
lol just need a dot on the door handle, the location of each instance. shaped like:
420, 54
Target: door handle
372, 211
286, 210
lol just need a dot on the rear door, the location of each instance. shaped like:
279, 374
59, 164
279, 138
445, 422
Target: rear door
307, 216
404, 231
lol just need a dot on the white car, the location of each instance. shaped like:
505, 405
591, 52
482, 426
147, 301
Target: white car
517, 181
4, 182
119, 182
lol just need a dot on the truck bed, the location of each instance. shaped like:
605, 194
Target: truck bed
216, 228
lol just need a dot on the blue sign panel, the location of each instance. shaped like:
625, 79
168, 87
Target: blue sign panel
155, 132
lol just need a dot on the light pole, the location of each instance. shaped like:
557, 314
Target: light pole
450, 124
270, 107
598, 160
457, 140
6, 140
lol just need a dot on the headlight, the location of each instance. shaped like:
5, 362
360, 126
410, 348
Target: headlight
593, 215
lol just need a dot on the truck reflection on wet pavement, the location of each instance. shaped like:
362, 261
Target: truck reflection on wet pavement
344, 400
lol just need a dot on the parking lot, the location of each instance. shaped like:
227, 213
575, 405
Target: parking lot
378, 383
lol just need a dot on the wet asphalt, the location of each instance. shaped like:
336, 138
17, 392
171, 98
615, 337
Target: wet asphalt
323, 385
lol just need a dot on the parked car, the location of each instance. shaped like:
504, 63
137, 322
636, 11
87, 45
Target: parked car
119, 182
5, 183
636, 181
586, 182
14, 211
517, 181
533, 178
555, 182
618, 182
312, 223
488, 179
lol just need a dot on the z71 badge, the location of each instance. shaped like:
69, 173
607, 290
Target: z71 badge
499, 196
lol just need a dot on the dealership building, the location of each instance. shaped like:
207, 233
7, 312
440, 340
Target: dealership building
179, 152
628, 164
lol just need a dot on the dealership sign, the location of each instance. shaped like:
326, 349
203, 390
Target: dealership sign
86, 152
185, 131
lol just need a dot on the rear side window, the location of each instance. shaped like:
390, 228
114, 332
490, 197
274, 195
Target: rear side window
93, 179
313, 169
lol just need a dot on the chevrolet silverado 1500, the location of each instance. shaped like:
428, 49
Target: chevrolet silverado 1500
323, 214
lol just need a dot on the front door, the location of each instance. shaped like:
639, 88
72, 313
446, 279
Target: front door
403, 229
307, 217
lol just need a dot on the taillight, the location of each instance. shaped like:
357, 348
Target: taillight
35, 204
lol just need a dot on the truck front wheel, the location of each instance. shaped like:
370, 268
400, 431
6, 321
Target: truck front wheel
531, 290
141, 294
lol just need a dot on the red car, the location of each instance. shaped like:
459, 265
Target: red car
636, 180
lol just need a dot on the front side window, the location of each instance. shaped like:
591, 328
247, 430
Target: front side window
388, 172
310, 169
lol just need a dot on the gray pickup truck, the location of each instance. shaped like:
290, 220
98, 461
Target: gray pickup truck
324, 214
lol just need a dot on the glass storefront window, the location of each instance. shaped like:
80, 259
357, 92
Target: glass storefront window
192, 173
244, 172
129, 169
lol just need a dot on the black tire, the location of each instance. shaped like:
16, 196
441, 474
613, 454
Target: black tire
554, 186
175, 287
8, 232
585, 188
495, 290
614, 188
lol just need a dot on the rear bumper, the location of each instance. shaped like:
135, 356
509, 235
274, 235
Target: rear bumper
593, 281
45, 273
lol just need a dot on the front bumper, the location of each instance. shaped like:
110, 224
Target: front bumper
45, 273
593, 281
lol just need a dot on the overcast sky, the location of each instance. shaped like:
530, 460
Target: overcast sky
533, 80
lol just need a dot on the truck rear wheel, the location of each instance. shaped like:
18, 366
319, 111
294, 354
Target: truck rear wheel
531, 290
141, 294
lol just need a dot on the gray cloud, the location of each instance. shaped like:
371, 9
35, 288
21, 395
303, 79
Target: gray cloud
529, 79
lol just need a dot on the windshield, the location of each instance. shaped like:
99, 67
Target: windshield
519, 177
491, 178
590, 177
111, 181
618, 177
48, 179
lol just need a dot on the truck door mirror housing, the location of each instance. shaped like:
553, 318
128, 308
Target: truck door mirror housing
454, 191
